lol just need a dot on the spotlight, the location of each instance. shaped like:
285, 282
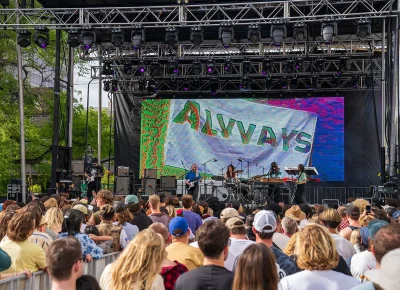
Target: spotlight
210, 66
137, 36
278, 33
283, 83
319, 64
114, 85
195, 83
226, 34
74, 38
369, 81
155, 69
328, 30
173, 67
106, 86
117, 37
246, 66
107, 70
228, 66
267, 66
254, 33
171, 36
344, 64
354, 81
300, 31
336, 79
363, 28
196, 68
196, 35
142, 85
151, 86
142, 67
268, 82
214, 86
128, 69
294, 82
41, 37
245, 85
24, 38
186, 86
88, 38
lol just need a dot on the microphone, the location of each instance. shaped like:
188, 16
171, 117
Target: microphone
215, 160
239, 159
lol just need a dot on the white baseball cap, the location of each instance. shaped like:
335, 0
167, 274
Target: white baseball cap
387, 276
263, 219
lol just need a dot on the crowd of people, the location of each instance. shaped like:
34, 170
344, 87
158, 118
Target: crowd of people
167, 243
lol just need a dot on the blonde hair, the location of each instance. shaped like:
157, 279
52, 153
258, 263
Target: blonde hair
290, 246
54, 217
355, 237
139, 263
361, 204
365, 220
171, 211
51, 202
316, 219
315, 249
154, 201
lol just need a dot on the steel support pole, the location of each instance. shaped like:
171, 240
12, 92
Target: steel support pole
70, 104
383, 109
21, 117
87, 126
99, 109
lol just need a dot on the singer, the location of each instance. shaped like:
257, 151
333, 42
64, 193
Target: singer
192, 180
274, 170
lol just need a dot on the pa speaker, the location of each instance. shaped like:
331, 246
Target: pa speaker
122, 186
168, 182
150, 186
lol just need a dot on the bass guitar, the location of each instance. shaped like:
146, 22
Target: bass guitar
192, 183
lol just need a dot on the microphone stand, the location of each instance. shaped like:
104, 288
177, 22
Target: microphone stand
248, 166
263, 169
205, 176
184, 175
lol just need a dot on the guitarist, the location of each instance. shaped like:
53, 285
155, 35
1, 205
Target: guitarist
93, 175
193, 178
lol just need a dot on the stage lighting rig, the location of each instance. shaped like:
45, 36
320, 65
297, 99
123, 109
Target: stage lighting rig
369, 81
246, 67
196, 68
283, 83
196, 35
214, 86
294, 82
228, 66
173, 84
74, 38
354, 81
186, 86
195, 83
254, 33
137, 36
142, 85
319, 64
128, 68
114, 85
171, 36
173, 67
151, 87
267, 66
41, 37
210, 67
300, 31
88, 38
107, 70
328, 29
106, 86
142, 66
155, 69
245, 85
363, 28
24, 38
268, 82
336, 79
344, 64
117, 37
226, 34
278, 32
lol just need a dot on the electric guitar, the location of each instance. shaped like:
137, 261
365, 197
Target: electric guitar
192, 183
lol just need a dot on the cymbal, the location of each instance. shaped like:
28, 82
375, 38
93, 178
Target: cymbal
238, 171
217, 178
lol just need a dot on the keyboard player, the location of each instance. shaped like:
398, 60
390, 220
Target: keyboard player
274, 189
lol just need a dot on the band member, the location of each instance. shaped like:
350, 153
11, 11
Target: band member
230, 174
192, 180
274, 170
93, 175
301, 185
274, 189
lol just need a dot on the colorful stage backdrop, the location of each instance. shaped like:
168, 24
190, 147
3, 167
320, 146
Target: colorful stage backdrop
177, 133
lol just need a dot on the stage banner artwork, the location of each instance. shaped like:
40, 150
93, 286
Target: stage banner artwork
227, 131
179, 132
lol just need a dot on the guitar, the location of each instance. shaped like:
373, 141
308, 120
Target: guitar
90, 179
192, 183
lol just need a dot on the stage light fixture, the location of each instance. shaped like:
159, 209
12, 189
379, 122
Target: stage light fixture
173, 67
267, 66
107, 70
41, 37
24, 38
88, 38
106, 86
336, 79
354, 81
300, 31
128, 68
246, 67
214, 86
328, 29
363, 28
245, 85
142, 66
210, 66
283, 83
186, 86
228, 66
369, 81
196, 68
74, 38
226, 34
268, 82
344, 64
151, 86
155, 69
117, 37
196, 35
137, 36
278, 33
114, 85
254, 33
319, 64
294, 82
171, 36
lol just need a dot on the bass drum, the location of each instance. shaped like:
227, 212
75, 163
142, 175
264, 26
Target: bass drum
221, 193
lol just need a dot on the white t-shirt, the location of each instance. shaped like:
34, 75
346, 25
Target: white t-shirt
230, 260
344, 248
360, 263
317, 280
105, 281
280, 240
236, 249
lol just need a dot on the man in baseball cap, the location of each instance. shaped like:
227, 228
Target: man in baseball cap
228, 213
264, 227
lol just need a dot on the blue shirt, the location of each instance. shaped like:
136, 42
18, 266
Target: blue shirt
193, 219
131, 230
286, 264
87, 244
192, 176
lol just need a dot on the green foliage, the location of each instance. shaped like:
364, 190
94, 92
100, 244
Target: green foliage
36, 188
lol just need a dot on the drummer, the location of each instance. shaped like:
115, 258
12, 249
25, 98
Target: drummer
230, 174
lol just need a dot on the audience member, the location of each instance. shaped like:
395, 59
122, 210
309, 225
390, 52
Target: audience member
5, 217
361, 204
65, 265
353, 214
304, 207
289, 227
213, 239
140, 220
54, 218
106, 243
194, 220
249, 228
138, 266
156, 215
396, 216
170, 270
123, 216
5, 263
238, 239
264, 227
7, 203
87, 282
84, 210
228, 213
24, 254
179, 250
51, 202
365, 219
316, 255
298, 215
163, 200
170, 206
107, 228
256, 269
356, 241
103, 197
343, 215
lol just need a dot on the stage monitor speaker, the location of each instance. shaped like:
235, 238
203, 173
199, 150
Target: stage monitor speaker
123, 171
168, 182
122, 185
150, 186
327, 202
150, 173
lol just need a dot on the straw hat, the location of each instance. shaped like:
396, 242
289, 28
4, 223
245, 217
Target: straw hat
295, 213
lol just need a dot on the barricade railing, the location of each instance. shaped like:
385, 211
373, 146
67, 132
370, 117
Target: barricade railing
40, 280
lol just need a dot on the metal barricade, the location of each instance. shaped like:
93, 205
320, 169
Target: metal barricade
330, 193
358, 192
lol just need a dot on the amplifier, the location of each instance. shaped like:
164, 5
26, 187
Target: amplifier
150, 186
150, 173
123, 171
168, 182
